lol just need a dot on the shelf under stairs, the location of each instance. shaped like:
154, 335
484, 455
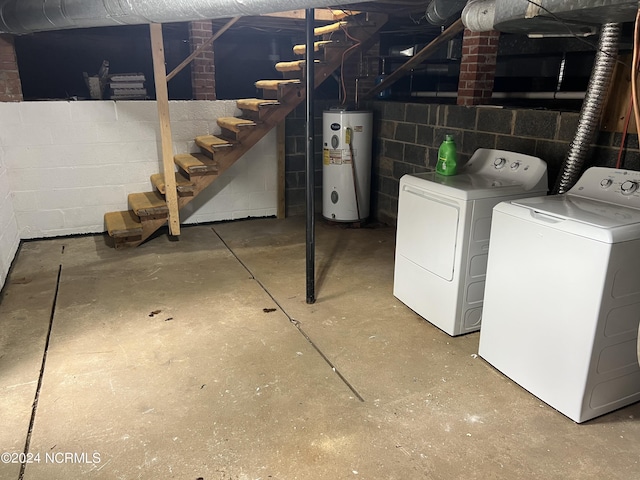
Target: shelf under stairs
148, 211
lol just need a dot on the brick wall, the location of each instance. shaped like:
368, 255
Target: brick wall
202, 67
67, 163
477, 67
10, 86
407, 137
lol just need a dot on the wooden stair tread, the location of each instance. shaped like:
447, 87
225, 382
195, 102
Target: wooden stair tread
274, 84
295, 66
196, 163
183, 184
340, 14
254, 104
234, 123
122, 224
334, 27
211, 142
148, 203
283, 96
301, 49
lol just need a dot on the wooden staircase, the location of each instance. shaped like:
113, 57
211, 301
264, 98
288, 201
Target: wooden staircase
148, 211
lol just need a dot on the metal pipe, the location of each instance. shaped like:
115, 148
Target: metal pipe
589, 119
28, 16
439, 11
498, 95
478, 15
310, 167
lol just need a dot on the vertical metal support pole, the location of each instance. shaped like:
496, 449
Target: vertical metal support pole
310, 167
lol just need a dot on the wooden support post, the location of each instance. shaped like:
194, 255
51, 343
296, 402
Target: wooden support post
280, 138
162, 99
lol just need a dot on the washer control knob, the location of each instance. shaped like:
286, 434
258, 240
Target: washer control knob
499, 162
628, 187
515, 165
606, 183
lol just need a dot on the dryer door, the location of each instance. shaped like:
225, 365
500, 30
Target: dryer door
428, 228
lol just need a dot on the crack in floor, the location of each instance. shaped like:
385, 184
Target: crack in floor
292, 320
34, 406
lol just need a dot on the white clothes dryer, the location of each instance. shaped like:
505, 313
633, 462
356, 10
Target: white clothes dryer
562, 299
442, 238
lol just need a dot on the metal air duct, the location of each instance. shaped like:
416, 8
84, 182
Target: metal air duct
28, 16
478, 15
439, 11
589, 120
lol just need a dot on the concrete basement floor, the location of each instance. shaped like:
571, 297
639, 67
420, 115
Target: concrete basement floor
201, 359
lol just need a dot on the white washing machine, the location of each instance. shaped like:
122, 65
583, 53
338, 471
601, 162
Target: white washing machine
562, 300
442, 236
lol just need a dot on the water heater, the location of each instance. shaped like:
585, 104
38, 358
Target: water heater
346, 165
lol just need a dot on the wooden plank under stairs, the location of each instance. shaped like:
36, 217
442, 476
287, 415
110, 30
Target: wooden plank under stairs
123, 224
256, 108
275, 84
255, 104
342, 14
295, 66
281, 90
334, 27
196, 163
317, 46
235, 124
148, 204
183, 184
212, 143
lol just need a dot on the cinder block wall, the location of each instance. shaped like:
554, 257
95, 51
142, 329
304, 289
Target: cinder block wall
64, 164
407, 137
9, 236
295, 159
70, 162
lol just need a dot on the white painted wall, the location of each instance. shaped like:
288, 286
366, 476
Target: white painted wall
65, 164
9, 236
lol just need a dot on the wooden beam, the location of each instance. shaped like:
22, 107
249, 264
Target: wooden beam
199, 50
323, 14
280, 139
616, 105
162, 99
455, 28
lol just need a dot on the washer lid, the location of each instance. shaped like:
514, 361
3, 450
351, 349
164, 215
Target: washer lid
488, 174
586, 217
467, 186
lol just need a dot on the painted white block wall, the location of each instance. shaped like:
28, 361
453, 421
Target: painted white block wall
9, 236
68, 163
63, 165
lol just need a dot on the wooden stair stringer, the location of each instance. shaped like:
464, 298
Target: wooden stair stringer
277, 113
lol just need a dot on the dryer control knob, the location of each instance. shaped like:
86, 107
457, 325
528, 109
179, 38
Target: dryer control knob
628, 187
606, 183
515, 165
499, 162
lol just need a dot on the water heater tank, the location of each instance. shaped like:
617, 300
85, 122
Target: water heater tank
346, 165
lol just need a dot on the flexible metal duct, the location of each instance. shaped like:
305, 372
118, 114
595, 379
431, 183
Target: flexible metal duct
589, 119
27, 16
439, 11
